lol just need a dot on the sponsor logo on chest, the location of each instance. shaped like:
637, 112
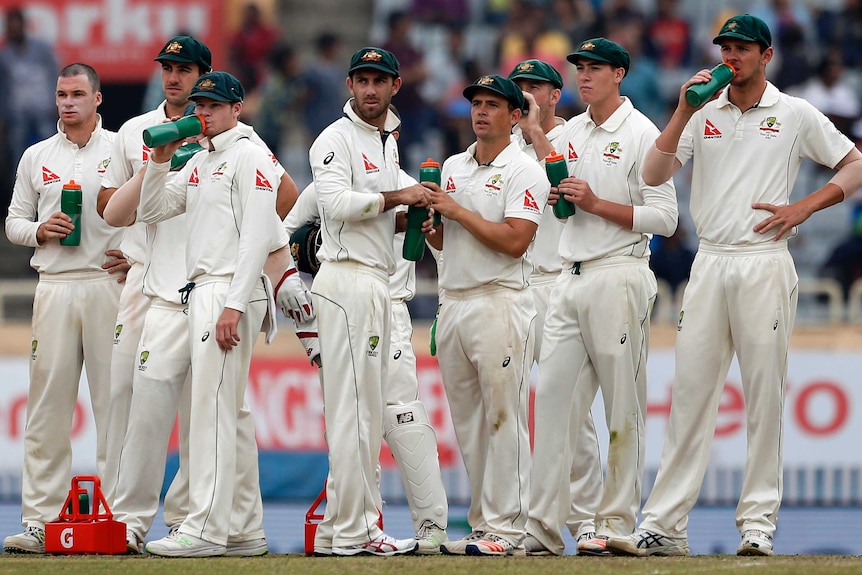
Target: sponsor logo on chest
49, 177
710, 132
370, 168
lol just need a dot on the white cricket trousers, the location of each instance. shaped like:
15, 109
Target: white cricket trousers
127, 334
485, 351
161, 379
218, 387
353, 319
73, 321
585, 479
596, 337
739, 300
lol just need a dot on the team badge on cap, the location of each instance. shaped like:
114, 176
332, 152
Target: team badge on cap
372, 56
484, 81
587, 46
174, 48
524, 67
206, 84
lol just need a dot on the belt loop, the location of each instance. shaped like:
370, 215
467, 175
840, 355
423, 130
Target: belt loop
185, 291
576, 269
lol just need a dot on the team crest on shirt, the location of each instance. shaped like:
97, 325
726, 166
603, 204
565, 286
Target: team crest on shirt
193, 178
494, 185
530, 203
572, 154
103, 165
611, 154
710, 132
49, 177
117, 331
373, 342
145, 355
261, 183
370, 168
450, 185
770, 128
33, 345
218, 172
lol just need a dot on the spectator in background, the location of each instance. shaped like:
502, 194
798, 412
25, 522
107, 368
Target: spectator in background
250, 47
640, 83
831, 93
792, 24
671, 258
416, 116
528, 35
29, 70
445, 12
324, 89
670, 37
845, 262
281, 92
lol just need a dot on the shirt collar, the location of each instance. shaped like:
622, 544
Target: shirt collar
226, 139
94, 134
769, 97
392, 121
503, 158
617, 118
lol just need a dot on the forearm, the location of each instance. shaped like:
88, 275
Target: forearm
659, 166
123, 203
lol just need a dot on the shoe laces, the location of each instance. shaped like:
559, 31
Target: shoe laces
37, 532
475, 536
588, 536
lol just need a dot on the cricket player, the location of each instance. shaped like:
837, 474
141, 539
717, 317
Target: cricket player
542, 85
76, 298
492, 200
407, 427
746, 145
228, 237
356, 174
597, 328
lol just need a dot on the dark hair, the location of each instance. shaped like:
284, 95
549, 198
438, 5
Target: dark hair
78, 69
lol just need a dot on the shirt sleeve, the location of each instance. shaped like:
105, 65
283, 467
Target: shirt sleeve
659, 213
21, 223
119, 171
332, 169
527, 192
820, 140
256, 181
304, 211
161, 198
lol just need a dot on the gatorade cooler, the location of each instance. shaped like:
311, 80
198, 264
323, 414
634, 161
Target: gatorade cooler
313, 518
80, 530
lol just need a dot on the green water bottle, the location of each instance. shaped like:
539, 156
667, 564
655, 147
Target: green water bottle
185, 127
184, 154
697, 94
414, 239
557, 170
70, 204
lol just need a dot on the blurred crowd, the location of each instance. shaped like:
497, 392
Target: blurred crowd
443, 45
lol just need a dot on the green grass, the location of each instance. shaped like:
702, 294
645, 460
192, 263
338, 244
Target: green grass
569, 565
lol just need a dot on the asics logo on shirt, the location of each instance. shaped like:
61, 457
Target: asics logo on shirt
261, 183
370, 168
49, 177
573, 155
710, 131
193, 178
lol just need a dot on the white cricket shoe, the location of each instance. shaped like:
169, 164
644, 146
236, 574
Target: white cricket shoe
430, 536
133, 544
595, 546
179, 544
31, 541
491, 544
459, 546
643, 543
755, 542
533, 547
249, 548
383, 546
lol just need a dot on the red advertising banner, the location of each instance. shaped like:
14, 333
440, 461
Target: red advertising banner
120, 38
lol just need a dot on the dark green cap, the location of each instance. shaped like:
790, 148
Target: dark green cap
537, 70
603, 50
499, 85
376, 59
219, 86
745, 27
186, 49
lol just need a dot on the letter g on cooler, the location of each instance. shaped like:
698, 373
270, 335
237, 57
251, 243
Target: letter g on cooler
67, 537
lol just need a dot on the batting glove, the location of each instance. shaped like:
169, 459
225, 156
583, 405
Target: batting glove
307, 334
293, 297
